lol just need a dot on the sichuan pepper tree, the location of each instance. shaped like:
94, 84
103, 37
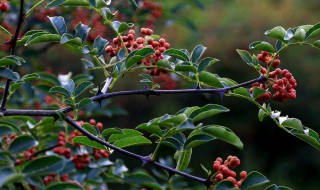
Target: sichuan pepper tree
45, 144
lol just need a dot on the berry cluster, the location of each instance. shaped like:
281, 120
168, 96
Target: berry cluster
145, 40
4, 6
82, 159
224, 170
281, 81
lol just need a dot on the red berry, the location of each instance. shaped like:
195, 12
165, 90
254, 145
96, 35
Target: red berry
4, 7
92, 122
243, 174
219, 177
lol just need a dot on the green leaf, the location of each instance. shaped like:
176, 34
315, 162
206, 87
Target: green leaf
6, 174
184, 159
314, 31
178, 54
84, 103
262, 114
68, 39
9, 74
129, 137
277, 32
257, 92
197, 53
316, 43
187, 124
76, 3
153, 129
22, 143
13, 127
164, 63
224, 185
86, 141
59, 24
275, 187
185, 67
206, 62
207, 111
224, 134
11, 60
60, 90
82, 31
254, 179
299, 35
55, 3
210, 79
92, 3
197, 140
4, 30
90, 128
308, 135
69, 86
135, 57
142, 179
83, 86
111, 131
100, 43
245, 55
50, 78
30, 77
43, 38
106, 13
87, 63
4, 130
261, 45
293, 123
43, 166
242, 91
123, 27
289, 34
64, 186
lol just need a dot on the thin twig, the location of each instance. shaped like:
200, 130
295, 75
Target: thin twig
13, 43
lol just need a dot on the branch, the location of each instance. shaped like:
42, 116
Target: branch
13, 43
144, 159
147, 92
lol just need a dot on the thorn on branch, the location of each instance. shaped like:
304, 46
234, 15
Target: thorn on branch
146, 160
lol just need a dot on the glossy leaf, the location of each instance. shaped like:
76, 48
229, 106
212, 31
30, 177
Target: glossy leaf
92, 3
275, 187
261, 45
257, 92
153, 129
293, 123
84, 103
44, 38
64, 186
90, 128
68, 85
4, 130
178, 54
11, 60
68, 39
22, 143
83, 86
316, 43
9, 74
86, 141
13, 127
185, 67
242, 91
245, 55
164, 63
313, 32
59, 24
308, 135
224, 185
277, 32
123, 27
82, 31
129, 137
197, 53
60, 90
111, 131
184, 159
210, 79
206, 62
135, 57
100, 43
30, 77
49, 78
55, 3
43, 166
207, 111
224, 134
143, 179
289, 34
197, 140
6, 174
254, 179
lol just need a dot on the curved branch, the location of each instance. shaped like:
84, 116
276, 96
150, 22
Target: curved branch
13, 43
145, 159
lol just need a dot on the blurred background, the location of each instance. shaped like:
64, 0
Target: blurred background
224, 26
